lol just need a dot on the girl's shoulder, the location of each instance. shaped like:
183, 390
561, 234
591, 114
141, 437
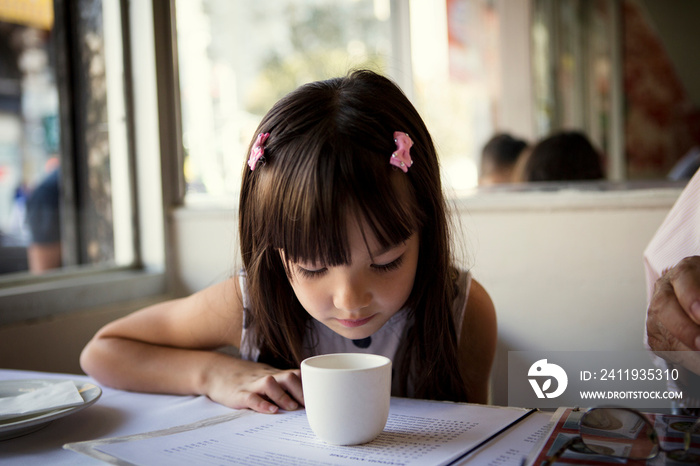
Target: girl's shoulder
479, 306
461, 283
477, 341
214, 313
471, 300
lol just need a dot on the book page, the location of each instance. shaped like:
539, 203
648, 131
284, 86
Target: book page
513, 446
417, 433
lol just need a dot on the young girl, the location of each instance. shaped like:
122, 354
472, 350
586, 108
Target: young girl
345, 247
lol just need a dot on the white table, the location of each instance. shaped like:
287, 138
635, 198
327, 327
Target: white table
116, 413
119, 413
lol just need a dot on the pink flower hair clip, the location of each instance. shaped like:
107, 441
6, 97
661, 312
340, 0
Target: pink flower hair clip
402, 156
257, 151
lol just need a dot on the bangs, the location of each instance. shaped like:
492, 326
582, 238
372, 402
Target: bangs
315, 196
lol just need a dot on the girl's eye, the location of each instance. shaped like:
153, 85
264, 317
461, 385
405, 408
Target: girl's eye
306, 273
393, 265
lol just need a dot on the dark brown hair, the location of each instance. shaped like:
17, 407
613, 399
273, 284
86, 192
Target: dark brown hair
327, 158
502, 150
564, 156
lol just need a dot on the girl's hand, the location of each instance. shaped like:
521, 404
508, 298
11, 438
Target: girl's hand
258, 387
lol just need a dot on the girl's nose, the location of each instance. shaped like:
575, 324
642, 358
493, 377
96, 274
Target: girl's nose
351, 295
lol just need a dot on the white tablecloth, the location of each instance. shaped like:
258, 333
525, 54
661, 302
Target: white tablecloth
116, 413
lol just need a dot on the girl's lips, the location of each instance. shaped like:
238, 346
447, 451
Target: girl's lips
356, 322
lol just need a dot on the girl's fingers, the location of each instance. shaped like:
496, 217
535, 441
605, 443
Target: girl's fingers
259, 404
270, 393
277, 394
291, 382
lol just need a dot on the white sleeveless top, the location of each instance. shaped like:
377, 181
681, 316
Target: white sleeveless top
319, 339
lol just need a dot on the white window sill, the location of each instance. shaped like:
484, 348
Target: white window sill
568, 196
51, 297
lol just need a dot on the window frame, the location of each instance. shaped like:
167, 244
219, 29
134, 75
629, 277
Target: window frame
24, 297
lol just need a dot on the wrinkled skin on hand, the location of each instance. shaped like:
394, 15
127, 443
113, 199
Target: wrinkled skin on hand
673, 317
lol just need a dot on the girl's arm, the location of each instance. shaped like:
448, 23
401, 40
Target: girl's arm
169, 348
477, 343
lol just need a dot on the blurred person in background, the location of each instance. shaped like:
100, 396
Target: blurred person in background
498, 159
563, 156
43, 219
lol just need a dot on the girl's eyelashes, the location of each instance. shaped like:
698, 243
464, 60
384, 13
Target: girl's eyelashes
306, 273
316, 273
393, 265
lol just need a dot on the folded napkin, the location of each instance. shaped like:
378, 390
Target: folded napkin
55, 396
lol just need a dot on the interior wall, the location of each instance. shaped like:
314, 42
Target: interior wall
54, 344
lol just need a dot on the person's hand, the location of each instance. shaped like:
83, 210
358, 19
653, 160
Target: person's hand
673, 317
256, 386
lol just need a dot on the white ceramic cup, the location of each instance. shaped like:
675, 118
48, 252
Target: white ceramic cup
347, 396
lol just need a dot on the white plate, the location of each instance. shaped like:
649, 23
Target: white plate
15, 427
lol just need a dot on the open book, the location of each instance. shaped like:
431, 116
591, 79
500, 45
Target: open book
418, 432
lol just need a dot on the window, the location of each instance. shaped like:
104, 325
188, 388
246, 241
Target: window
237, 58
68, 230
624, 72
66, 191
29, 126
580, 73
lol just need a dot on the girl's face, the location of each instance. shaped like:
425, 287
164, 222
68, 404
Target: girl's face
357, 299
